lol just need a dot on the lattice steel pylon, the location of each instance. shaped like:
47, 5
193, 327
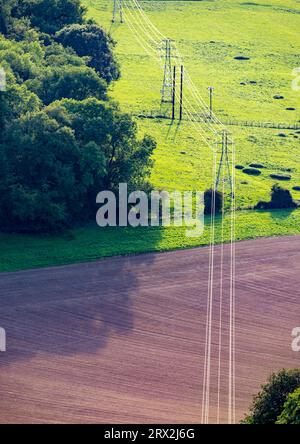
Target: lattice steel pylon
118, 9
167, 88
225, 165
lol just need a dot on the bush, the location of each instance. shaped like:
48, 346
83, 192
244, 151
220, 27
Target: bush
280, 176
269, 403
291, 409
239, 167
252, 171
208, 197
256, 165
280, 198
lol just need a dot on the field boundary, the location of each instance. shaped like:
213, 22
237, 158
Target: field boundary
232, 122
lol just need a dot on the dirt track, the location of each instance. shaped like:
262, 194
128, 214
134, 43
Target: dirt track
122, 340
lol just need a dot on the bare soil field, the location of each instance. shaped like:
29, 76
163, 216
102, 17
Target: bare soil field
122, 340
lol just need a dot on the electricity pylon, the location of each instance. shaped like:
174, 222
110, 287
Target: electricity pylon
211, 90
118, 9
225, 166
167, 88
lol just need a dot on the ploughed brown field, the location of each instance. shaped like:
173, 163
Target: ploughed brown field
122, 340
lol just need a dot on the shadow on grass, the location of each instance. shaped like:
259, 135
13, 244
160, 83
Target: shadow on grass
279, 213
282, 214
173, 128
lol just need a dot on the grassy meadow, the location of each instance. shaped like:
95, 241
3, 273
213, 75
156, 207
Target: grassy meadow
209, 35
90, 243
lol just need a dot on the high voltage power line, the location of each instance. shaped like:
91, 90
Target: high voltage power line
168, 88
165, 52
118, 10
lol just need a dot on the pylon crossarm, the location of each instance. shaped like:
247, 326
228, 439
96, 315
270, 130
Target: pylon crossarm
118, 9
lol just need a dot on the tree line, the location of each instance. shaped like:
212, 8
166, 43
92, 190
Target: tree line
62, 138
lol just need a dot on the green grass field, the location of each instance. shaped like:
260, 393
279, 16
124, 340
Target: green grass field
209, 34
90, 243
268, 35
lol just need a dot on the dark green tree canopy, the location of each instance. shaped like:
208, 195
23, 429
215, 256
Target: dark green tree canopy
127, 158
62, 140
50, 15
56, 161
91, 41
57, 55
47, 175
5, 15
69, 82
291, 409
15, 101
269, 403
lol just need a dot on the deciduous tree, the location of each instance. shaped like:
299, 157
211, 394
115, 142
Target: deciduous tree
89, 40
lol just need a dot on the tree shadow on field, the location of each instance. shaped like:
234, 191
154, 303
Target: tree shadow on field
281, 214
71, 309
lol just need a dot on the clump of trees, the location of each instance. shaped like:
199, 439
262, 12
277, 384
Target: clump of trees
62, 139
280, 198
278, 401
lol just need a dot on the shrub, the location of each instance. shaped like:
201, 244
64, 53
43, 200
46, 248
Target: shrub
256, 165
252, 171
208, 198
241, 58
279, 176
280, 198
239, 167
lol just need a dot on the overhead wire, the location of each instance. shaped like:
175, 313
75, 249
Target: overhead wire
150, 38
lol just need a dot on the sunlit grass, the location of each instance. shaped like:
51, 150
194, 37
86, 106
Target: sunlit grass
209, 36
91, 243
